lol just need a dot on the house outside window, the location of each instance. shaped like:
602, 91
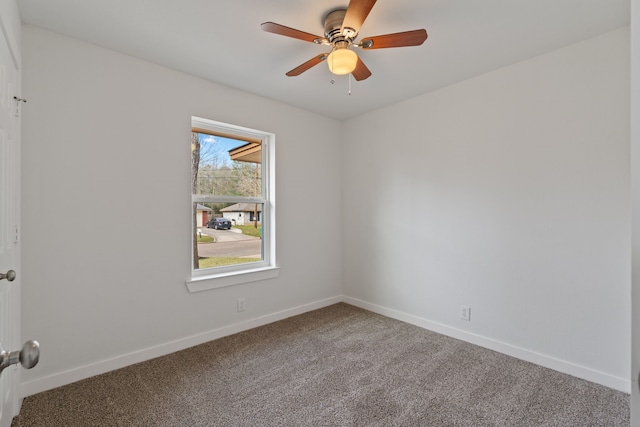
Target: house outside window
232, 198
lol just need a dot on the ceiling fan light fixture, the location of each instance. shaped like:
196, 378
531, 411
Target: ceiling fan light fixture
342, 61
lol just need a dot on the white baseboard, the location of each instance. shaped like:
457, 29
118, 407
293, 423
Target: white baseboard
67, 377
607, 380
29, 388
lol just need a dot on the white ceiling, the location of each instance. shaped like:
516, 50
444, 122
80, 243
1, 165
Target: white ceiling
222, 41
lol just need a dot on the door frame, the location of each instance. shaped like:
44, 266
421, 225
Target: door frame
10, 89
635, 209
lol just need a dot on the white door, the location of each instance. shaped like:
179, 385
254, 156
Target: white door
9, 212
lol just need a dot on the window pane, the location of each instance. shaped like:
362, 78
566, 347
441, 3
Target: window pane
227, 167
230, 173
228, 234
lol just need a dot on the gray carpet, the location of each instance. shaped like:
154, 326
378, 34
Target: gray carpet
338, 366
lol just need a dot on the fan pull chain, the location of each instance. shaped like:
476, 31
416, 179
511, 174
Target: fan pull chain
333, 76
349, 84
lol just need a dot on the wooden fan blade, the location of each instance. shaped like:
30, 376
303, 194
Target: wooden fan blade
407, 38
357, 12
304, 67
361, 72
272, 27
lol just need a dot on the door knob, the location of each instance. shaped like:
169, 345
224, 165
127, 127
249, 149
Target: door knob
10, 276
28, 356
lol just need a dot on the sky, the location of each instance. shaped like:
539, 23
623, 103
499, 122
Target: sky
216, 147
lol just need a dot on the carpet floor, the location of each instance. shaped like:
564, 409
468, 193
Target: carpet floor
337, 366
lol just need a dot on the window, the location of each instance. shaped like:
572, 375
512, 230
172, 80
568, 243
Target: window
232, 199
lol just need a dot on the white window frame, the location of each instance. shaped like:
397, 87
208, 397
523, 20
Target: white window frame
218, 277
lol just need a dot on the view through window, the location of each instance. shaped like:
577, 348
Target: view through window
229, 195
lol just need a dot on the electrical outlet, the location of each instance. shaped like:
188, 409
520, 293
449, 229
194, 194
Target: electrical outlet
465, 313
241, 302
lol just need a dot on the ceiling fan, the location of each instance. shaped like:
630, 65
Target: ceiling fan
341, 28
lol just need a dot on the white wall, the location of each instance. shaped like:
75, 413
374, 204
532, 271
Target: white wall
105, 137
515, 188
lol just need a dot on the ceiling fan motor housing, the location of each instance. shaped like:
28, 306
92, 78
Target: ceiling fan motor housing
333, 27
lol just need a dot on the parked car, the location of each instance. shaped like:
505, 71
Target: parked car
219, 223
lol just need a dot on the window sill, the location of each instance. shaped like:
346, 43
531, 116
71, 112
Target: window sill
215, 281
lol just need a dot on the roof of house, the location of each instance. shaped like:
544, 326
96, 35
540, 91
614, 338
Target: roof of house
243, 207
202, 208
250, 152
